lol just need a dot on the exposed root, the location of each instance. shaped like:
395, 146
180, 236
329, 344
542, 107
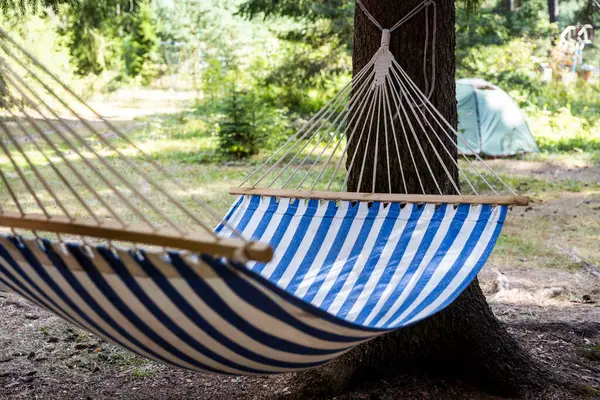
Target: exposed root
464, 342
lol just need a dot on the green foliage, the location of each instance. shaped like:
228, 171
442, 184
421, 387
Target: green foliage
507, 51
93, 33
112, 35
323, 22
4, 91
578, 12
92, 39
184, 22
315, 50
577, 143
245, 124
29, 29
141, 45
286, 58
492, 26
319, 42
237, 130
530, 19
23, 6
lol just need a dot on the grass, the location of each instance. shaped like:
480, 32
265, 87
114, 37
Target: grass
144, 373
124, 358
183, 138
548, 233
140, 368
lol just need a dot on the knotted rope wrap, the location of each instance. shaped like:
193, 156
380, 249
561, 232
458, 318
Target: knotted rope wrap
383, 61
429, 85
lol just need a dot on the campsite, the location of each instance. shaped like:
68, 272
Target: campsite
347, 199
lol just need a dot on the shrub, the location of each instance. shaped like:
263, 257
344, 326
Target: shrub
248, 123
141, 45
238, 133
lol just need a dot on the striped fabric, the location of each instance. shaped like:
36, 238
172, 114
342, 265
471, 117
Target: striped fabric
342, 274
381, 267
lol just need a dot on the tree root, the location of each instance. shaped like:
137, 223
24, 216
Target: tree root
464, 342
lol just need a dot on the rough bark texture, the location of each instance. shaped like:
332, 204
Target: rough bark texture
465, 341
407, 46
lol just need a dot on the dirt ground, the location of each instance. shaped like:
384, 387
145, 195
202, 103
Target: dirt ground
43, 357
566, 168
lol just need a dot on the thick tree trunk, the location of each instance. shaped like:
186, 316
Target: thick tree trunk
553, 10
465, 341
408, 47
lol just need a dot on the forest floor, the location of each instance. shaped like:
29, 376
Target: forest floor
542, 282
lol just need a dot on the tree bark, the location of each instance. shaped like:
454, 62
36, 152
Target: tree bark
509, 5
465, 341
553, 10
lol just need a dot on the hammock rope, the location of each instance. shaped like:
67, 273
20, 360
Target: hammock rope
110, 126
380, 101
98, 197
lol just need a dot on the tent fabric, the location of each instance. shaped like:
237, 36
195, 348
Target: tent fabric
343, 273
490, 121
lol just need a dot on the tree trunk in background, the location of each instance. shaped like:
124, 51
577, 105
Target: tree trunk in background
509, 5
553, 10
465, 341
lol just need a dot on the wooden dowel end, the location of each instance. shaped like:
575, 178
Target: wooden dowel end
195, 242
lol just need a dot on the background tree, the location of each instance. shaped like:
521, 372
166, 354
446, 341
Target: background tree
589, 13
509, 5
318, 46
553, 10
141, 45
465, 341
22, 5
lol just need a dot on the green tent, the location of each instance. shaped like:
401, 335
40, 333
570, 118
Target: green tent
490, 121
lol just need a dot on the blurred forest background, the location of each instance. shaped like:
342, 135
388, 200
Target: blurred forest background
257, 70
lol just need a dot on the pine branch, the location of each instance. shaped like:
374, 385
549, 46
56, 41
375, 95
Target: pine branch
25, 6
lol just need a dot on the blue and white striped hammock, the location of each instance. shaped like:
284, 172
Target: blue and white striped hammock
342, 274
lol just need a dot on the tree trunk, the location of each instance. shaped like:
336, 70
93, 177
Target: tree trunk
465, 341
553, 10
509, 5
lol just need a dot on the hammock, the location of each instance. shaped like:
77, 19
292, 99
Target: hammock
300, 270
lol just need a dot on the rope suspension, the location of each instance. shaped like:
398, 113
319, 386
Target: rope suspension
380, 104
85, 185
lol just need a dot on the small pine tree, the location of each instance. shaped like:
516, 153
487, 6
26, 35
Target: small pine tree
238, 134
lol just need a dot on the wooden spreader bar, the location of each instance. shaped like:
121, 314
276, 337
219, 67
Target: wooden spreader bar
384, 197
164, 237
